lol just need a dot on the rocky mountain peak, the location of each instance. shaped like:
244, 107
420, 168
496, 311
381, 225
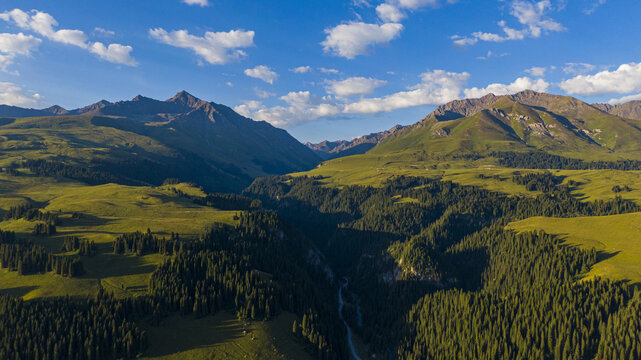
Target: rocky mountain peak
186, 99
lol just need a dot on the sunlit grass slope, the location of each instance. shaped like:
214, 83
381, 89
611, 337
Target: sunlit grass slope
106, 211
617, 238
223, 336
370, 170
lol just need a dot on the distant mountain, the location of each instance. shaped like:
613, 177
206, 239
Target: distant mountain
524, 121
335, 149
629, 110
18, 112
149, 140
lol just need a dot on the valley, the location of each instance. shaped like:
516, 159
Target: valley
492, 209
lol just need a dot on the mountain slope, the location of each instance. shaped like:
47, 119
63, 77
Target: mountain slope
145, 141
524, 121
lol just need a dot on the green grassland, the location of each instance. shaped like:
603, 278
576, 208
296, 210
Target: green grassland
106, 212
370, 170
223, 336
617, 238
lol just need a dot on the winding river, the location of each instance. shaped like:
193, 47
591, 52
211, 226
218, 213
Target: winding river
340, 314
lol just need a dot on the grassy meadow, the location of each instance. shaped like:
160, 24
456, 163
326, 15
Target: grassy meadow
617, 239
223, 336
106, 211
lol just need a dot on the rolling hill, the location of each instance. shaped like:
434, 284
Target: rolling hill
144, 141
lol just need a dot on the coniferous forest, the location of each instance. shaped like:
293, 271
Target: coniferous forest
436, 278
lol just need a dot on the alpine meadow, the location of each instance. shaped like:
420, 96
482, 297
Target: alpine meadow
389, 179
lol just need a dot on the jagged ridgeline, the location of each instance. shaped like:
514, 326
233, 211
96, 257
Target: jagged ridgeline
522, 122
144, 141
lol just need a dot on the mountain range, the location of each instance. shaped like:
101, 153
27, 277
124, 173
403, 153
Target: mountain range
524, 121
145, 140
191, 139
532, 119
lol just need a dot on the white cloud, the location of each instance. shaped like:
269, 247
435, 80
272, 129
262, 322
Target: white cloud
18, 43
356, 38
520, 84
389, 13
594, 6
301, 69
262, 72
530, 14
537, 71
115, 53
12, 94
230, 84
415, 4
214, 47
624, 80
328, 71
578, 68
202, 3
354, 86
624, 99
43, 24
436, 87
103, 32
263, 94
12, 45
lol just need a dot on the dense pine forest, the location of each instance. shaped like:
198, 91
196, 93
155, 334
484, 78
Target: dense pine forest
467, 288
427, 267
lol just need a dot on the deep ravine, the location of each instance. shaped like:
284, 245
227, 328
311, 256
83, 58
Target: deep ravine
340, 314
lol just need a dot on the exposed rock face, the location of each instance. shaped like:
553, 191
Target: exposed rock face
335, 149
629, 110
463, 108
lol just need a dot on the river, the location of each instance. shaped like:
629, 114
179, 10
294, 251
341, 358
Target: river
349, 330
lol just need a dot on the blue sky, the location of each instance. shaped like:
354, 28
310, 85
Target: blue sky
320, 69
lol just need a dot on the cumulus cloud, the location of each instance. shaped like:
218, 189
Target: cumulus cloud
624, 99
214, 47
12, 94
115, 53
354, 86
624, 80
12, 45
44, 24
520, 84
301, 69
202, 3
18, 43
537, 71
389, 13
262, 72
436, 87
356, 38
531, 15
